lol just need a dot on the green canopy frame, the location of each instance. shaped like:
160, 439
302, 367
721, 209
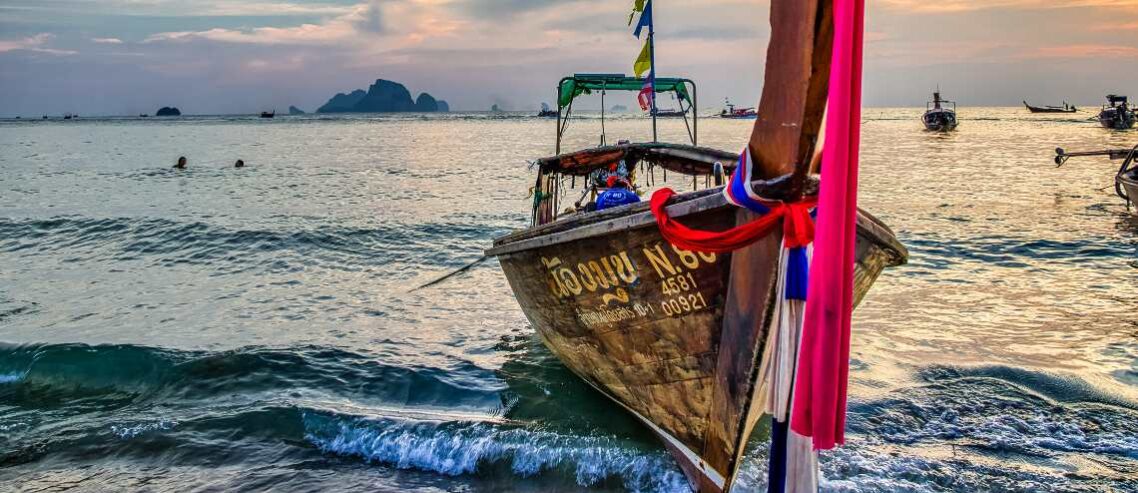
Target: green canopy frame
571, 87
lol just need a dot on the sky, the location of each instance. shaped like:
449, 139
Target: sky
125, 57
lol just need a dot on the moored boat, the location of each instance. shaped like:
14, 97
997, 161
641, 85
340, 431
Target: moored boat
939, 117
1051, 109
730, 111
268, 114
663, 113
1116, 114
682, 339
1125, 179
546, 112
1127, 186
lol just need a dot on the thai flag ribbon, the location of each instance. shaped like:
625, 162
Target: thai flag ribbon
645, 95
798, 226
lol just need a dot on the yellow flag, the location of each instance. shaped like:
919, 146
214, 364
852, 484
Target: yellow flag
644, 61
637, 6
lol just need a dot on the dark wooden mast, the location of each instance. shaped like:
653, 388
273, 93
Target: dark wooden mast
782, 142
795, 86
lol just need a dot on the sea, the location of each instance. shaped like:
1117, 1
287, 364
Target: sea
257, 329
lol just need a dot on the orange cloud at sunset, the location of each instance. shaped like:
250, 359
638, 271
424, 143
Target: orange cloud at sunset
925, 6
470, 50
1086, 51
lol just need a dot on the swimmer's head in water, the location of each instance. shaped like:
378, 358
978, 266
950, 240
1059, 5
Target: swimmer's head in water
239, 164
181, 162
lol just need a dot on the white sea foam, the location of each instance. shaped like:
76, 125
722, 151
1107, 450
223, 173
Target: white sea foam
126, 432
461, 448
12, 377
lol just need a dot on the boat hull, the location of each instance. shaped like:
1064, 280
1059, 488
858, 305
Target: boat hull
1128, 188
1116, 119
939, 120
655, 328
1049, 109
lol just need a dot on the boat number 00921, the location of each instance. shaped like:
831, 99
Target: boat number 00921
685, 303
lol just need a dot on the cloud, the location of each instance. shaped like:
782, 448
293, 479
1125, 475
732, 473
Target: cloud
184, 8
1082, 51
371, 18
107, 41
243, 9
952, 6
33, 43
497, 9
360, 19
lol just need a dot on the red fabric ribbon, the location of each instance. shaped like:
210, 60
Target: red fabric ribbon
797, 227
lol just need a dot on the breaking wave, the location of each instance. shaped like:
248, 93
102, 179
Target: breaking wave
456, 448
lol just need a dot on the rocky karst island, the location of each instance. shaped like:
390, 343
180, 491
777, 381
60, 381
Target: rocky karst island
168, 111
383, 97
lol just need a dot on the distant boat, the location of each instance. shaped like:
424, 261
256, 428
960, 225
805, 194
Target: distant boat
67, 116
665, 113
143, 115
1051, 109
546, 112
938, 117
1116, 114
737, 113
268, 114
45, 117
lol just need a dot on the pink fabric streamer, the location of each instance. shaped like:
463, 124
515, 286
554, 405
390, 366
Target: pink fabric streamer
819, 409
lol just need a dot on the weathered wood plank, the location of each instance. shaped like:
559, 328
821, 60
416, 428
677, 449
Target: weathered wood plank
786, 86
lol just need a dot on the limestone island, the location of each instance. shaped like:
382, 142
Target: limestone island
383, 97
168, 111
293, 110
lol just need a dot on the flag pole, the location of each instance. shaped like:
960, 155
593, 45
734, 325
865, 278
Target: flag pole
652, 67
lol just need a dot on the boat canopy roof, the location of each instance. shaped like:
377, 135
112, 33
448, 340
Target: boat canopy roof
685, 159
579, 84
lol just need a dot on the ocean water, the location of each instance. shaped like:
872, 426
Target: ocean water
254, 329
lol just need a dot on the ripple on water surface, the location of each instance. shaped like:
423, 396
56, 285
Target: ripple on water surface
252, 329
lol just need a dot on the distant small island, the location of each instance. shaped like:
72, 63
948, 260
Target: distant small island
293, 110
382, 97
168, 111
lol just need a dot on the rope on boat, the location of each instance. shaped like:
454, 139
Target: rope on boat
451, 274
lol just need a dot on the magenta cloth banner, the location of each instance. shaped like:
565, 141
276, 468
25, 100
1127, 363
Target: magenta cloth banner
819, 408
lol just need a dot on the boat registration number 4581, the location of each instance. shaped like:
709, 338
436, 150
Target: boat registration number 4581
687, 301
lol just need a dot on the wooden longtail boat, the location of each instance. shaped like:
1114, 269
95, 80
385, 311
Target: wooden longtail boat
670, 113
676, 337
1051, 109
730, 111
1116, 114
1125, 180
938, 117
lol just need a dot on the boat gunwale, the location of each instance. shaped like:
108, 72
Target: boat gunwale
638, 215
